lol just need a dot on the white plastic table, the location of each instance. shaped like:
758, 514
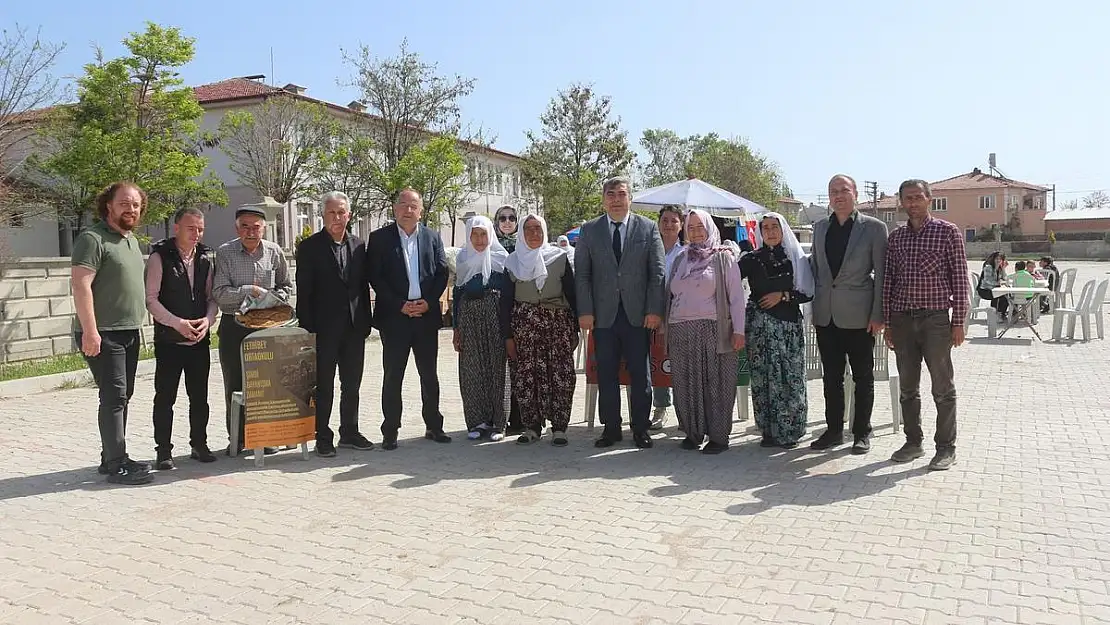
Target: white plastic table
1021, 307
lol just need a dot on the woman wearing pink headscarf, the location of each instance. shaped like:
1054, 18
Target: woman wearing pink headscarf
705, 331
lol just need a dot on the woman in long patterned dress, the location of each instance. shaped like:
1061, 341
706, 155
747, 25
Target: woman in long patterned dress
705, 331
477, 337
539, 321
780, 280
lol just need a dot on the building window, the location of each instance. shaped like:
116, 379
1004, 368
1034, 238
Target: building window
1033, 203
471, 174
888, 216
499, 179
516, 184
940, 203
1012, 202
986, 202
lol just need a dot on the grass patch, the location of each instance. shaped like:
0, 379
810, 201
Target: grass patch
69, 385
64, 364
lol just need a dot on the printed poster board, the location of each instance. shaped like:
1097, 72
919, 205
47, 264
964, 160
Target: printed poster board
280, 376
660, 364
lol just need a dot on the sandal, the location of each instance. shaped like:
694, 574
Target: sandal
558, 438
528, 437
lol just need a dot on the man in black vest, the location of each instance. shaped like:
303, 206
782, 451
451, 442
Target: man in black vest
333, 301
179, 297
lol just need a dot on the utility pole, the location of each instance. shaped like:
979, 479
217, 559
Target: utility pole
823, 200
872, 189
1053, 196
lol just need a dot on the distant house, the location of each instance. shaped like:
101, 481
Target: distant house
1078, 220
498, 171
886, 209
789, 207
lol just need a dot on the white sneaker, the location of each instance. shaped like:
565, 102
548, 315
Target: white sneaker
497, 436
474, 435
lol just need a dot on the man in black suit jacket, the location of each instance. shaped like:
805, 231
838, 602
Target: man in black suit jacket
408, 270
333, 301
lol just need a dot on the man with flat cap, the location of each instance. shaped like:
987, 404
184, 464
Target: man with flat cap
245, 267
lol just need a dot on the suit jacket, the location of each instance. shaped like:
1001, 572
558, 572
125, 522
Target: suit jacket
325, 300
388, 273
636, 282
855, 296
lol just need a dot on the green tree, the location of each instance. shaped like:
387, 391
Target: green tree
409, 104
668, 155
134, 120
348, 166
579, 145
274, 148
733, 165
435, 169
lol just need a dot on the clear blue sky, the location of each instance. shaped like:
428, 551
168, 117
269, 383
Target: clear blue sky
883, 90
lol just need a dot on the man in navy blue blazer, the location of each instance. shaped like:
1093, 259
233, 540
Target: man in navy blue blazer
408, 272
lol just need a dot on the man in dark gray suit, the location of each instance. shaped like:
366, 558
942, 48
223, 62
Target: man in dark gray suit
618, 266
848, 253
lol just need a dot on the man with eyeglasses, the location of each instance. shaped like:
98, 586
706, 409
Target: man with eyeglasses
246, 266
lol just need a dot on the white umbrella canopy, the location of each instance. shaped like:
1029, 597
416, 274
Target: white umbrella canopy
694, 193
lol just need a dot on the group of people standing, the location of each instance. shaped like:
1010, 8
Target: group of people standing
521, 306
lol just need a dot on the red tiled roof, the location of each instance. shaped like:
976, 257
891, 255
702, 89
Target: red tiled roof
232, 89
889, 203
788, 200
977, 179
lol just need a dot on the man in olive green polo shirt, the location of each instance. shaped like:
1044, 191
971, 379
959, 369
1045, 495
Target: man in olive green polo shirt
110, 299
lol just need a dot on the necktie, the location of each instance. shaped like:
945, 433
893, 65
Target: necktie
617, 240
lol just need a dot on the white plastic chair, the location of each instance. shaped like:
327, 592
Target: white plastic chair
238, 399
1066, 286
883, 373
1083, 311
979, 307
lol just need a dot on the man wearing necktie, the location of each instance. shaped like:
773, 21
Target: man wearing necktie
618, 264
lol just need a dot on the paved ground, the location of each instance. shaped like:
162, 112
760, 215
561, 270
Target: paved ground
495, 533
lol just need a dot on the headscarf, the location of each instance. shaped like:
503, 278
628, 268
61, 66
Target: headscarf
471, 262
698, 255
803, 275
528, 263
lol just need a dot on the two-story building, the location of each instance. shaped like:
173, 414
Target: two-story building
977, 202
496, 177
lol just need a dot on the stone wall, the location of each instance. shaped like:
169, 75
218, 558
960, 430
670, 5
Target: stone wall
1060, 250
36, 309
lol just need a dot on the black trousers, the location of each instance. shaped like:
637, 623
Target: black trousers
345, 349
170, 361
1001, 304
625, 342
113, 370
231, 365
841, 346
401, 338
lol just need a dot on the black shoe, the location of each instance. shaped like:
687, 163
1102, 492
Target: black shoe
202, 454
325, 449
768, 442
130, 474
605, 441
791, 445
269, 451
140, 467
437, 436
164, 461
713, 448
689, 443
827, 440
944, 460
389, 444
356, 441
103, 469
643, 440
861, 446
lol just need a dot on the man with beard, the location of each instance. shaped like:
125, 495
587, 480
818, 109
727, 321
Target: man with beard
179, 298
110, 301
506, 220
246, 266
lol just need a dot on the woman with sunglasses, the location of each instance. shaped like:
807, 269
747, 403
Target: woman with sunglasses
505, 222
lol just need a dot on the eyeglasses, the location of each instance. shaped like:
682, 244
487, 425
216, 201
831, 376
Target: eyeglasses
504, 218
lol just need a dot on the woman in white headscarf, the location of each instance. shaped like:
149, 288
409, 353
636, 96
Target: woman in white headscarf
705, 332
480, 271
780, 281
539, 322
564, 244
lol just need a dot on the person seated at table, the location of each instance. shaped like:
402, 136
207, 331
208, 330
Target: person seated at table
1033, 269
994, 276
1022, 278
1052, 274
